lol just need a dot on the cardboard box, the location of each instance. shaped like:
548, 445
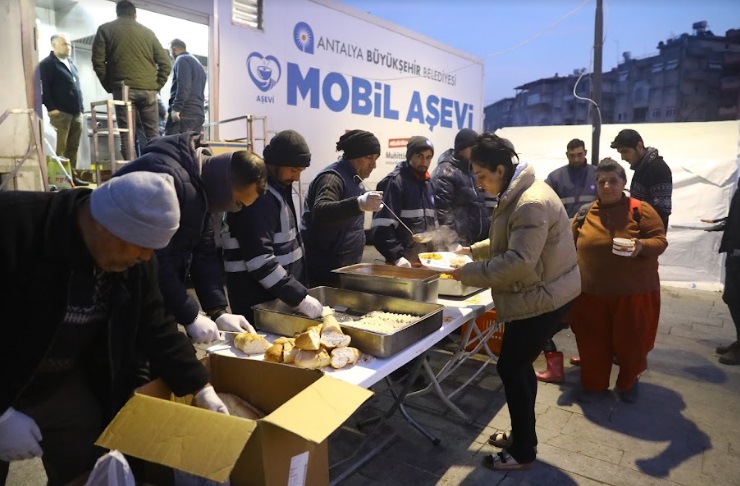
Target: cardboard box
286, 447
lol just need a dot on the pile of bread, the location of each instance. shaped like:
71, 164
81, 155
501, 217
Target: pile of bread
319, 346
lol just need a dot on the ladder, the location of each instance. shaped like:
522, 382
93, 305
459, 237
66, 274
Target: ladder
111, 130
34, 145
245, 143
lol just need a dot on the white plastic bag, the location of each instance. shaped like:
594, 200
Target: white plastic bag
111, 470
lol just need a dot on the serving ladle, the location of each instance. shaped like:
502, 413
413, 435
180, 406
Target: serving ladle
390, 210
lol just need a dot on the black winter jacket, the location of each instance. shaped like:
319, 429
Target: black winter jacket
60, 86
192, 250
461, 205
41, 237
653, 183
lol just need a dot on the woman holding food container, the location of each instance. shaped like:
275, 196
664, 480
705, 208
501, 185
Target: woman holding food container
529, 263
618, 241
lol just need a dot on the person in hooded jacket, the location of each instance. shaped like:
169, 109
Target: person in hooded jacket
205, 184
529, 262
407, 192
333, 222
263, 251
653, 180
461, 204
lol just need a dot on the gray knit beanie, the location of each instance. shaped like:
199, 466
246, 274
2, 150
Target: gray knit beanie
140, 208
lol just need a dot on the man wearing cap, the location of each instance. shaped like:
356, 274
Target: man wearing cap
263, 251
205, 184
407, 191
653, 180
333, 222
461, 204
83, 309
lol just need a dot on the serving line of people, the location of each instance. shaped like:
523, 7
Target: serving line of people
538, 263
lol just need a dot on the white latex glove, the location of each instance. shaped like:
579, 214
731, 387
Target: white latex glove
371, 201
234, 323
207, 398
19, 436
310, 307
402, 262
464, 250
202, 330
175, 116
455, 247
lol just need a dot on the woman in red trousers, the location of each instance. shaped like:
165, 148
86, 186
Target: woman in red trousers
619, 306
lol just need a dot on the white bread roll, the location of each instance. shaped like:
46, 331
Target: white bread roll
331, 340
239, 407
341, 357
275, 352
331, 325
251, 343
309, 340
312, 360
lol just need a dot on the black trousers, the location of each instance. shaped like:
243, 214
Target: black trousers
523, 341
731, 295
70, 420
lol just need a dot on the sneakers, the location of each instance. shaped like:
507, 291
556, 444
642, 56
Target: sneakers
726, 349
503, 461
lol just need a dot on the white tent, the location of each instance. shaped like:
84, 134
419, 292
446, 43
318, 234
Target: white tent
704, 159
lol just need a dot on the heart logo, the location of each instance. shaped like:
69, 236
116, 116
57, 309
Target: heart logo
264, 70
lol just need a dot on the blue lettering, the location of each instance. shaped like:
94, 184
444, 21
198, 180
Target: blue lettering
376, 103
388, 112
432, 118
416, 111
361, 92
330, 80
308, 85
446, 113
460, 114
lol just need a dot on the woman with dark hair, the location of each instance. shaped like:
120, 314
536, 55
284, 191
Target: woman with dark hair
617, 313
333, 222
529, 263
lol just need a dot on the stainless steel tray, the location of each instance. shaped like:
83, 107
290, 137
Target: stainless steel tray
455, 288
279, 318
408, 283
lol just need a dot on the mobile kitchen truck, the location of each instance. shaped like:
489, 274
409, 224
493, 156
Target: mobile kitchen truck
315, 66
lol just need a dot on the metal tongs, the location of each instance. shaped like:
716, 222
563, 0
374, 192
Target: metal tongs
388, 208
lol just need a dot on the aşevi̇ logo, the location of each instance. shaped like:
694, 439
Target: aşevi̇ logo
264, 70
303, 37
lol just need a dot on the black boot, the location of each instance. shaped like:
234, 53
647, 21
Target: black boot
725, 349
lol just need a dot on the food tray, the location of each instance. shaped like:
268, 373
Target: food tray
455, 288
407, 283
278, 318
443, 261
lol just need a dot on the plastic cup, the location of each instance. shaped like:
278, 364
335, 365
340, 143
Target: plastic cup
623, 246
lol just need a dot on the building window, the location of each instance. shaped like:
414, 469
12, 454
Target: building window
657, 67
639, 94
714, 66
620, 117
624, 75
656, 112
670, 111
247, 12
672, 64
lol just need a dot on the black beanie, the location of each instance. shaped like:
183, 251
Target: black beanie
465, 138
287, 149
418, 144
358, 143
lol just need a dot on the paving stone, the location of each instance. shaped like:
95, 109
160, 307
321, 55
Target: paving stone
723, 467
583, 446
662, 464
553, 419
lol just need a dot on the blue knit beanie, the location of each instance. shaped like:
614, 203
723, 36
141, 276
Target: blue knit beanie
140, 208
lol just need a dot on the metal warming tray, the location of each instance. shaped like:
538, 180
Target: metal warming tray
408, 283
455, 288
279, 318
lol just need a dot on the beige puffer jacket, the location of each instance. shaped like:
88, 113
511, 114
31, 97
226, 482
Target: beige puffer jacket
529, 259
